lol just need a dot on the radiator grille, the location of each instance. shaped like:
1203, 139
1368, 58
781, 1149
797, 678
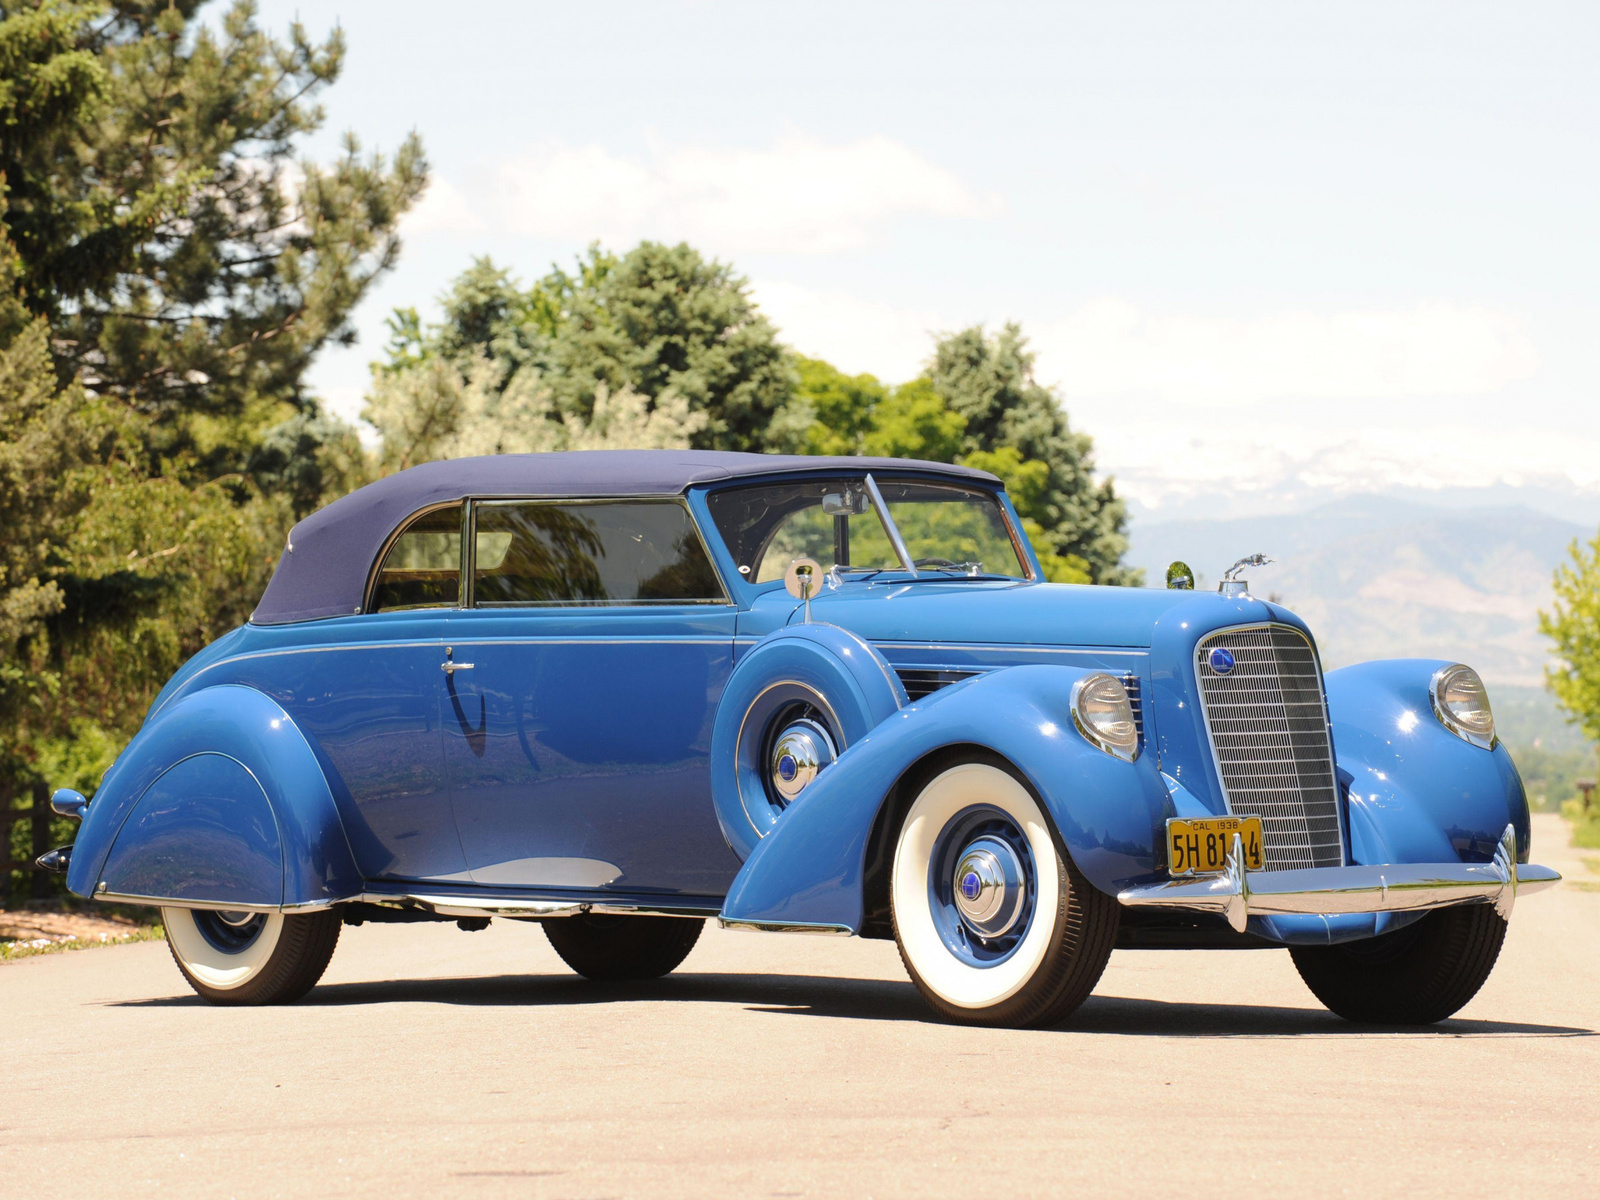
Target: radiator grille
924, 681
1269, 729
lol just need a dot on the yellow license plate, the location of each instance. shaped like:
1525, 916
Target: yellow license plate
1199, 846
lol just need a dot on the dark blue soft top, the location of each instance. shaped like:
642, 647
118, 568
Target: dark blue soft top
324, 569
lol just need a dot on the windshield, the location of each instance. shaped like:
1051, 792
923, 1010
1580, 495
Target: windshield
948, 529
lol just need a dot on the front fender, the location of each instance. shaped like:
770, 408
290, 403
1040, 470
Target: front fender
810, 870
219, 800
1417, 792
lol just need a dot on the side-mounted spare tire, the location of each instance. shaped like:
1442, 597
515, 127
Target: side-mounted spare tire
796, 701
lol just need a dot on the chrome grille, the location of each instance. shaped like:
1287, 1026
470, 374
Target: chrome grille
924, 681
1269, 731
1130, 684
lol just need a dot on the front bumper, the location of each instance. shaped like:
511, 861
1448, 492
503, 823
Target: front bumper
1325, 891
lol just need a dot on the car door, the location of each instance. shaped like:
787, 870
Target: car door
366, 692
580, 686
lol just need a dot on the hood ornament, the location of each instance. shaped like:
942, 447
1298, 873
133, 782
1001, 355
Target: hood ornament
1231, 584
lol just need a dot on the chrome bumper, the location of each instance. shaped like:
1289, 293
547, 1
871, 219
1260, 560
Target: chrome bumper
1399, 887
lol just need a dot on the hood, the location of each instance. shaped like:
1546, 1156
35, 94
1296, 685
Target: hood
983, 611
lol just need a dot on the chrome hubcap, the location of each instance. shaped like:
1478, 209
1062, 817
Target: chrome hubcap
800, 751
988, 887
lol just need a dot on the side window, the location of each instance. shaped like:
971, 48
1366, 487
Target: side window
627, 552
423, 566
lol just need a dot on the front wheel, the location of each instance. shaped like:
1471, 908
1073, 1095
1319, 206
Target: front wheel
1414, 976
606, 946
994, 923
250, 958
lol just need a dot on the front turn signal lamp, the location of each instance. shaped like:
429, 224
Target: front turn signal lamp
1461, 703
1104, 715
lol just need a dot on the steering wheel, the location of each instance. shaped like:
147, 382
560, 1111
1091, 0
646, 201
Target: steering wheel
935, 562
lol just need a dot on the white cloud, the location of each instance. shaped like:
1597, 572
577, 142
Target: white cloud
1111, 347
857, 336
443, 209
801, 196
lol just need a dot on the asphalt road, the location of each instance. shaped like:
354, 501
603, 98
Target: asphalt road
441, 1063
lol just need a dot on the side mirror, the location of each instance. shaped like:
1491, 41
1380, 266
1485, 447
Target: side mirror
68, 803
803, 580
1179, 577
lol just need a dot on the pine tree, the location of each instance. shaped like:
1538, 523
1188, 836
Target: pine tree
188, 265
1017, 428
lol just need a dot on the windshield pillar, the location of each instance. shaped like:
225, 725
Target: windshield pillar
889, 527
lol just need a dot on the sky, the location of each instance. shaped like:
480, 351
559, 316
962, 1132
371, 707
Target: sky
1270, 254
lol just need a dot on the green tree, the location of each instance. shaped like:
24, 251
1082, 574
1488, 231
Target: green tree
188, 265
109, 577
842, 406
989, 382
1573, 627
167, 271
660, 322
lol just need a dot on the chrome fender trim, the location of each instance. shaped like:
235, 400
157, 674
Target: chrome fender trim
1239, 894
785, 927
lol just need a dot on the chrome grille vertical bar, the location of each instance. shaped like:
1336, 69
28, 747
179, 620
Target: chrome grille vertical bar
1268, 727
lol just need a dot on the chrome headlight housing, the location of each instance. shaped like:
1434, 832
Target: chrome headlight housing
1461, 703
1104, 715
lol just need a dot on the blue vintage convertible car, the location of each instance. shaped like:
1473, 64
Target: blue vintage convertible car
620, 693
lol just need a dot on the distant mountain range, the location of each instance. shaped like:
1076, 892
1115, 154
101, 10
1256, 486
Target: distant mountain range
1379, 577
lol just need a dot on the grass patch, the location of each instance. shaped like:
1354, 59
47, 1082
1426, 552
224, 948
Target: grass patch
1585, 825
59, 945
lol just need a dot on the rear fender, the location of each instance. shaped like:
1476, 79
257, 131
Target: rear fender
810, 870
1417, 792
220, 800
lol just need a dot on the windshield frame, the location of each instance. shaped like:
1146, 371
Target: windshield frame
899, 574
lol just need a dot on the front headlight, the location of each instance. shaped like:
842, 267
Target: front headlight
1103, 714
1461, 703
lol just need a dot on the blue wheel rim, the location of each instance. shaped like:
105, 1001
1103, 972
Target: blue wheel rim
978, 824
230, 937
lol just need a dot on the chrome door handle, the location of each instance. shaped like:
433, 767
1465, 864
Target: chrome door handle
450, 668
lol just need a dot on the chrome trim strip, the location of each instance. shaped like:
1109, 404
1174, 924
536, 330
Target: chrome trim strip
739, 924
218, 905
1027, 647
439, 642
447, 905
889, 527
1239, 894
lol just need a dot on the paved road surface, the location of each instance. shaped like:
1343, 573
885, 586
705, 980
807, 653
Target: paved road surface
438, 1063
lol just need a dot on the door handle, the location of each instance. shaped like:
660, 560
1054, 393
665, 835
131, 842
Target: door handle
449, 666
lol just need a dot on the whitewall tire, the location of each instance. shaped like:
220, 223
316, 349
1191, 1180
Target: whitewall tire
995, 925
250, 958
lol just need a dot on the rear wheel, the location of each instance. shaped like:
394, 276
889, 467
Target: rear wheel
250, 958
609, 947
1413, 976
994, 923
